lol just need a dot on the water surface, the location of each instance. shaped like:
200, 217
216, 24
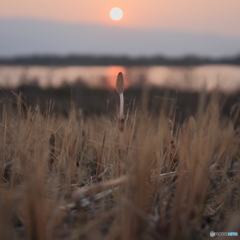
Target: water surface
225, 77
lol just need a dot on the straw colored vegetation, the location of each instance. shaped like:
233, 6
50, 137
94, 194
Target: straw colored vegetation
151, 178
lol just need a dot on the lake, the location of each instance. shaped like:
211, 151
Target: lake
193, 78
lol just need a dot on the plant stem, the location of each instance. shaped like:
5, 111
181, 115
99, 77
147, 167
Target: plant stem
121, 115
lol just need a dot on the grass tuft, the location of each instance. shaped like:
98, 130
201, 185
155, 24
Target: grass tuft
63, 178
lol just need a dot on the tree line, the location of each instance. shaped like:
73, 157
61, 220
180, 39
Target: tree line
91, 60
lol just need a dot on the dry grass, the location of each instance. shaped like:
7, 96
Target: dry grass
66, 178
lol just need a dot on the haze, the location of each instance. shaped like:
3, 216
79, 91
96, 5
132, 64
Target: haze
189, 19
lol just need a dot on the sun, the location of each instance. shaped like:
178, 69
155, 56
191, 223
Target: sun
116, 13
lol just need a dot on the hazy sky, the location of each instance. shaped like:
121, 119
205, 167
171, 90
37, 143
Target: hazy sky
203, 16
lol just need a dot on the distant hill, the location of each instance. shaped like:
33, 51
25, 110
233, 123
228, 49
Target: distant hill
40, 37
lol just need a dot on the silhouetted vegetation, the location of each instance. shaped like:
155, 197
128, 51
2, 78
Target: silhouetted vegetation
91, 60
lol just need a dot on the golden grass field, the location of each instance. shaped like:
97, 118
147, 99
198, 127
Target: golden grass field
147, 177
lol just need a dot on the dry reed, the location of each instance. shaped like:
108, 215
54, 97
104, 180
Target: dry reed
178, 183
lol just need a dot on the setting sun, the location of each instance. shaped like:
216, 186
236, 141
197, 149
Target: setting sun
116, 13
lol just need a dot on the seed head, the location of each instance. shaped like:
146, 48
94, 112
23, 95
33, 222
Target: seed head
170, 124
120, 83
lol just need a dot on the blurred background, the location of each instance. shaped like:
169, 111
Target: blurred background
71, 51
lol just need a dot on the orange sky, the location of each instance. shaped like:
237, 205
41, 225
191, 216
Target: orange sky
216, 16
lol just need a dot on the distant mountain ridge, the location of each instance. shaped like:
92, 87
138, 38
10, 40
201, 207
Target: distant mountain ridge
42, 37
